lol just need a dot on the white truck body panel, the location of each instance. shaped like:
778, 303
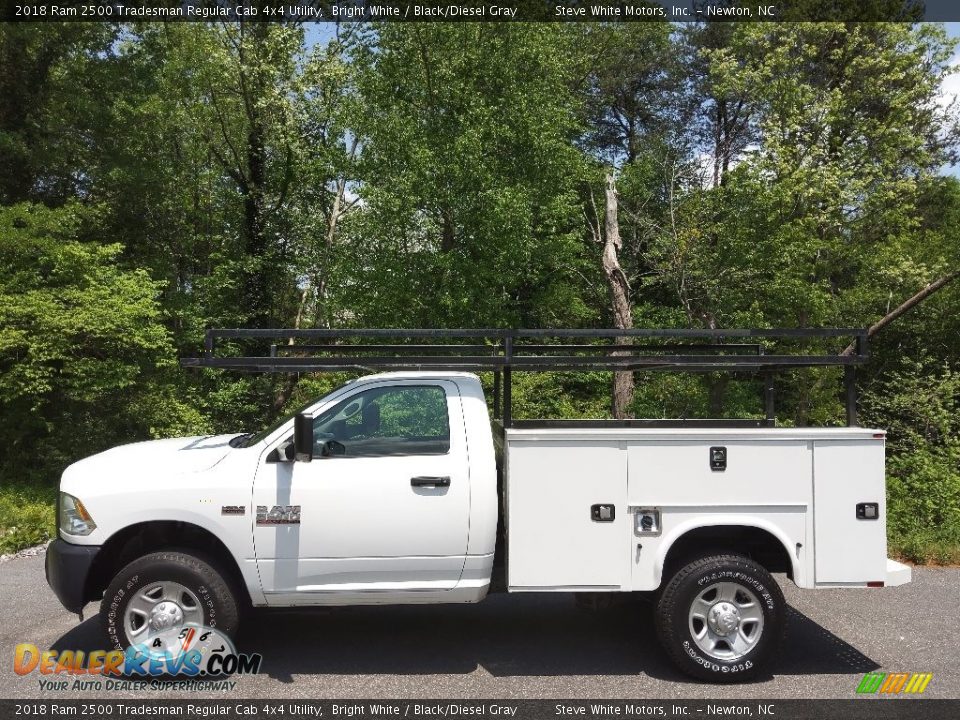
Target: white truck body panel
367, 536
799, 485
846, 472
552, 544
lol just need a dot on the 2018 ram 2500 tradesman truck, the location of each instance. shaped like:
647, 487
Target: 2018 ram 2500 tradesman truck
386, 491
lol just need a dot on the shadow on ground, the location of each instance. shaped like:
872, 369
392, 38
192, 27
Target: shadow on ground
515, 635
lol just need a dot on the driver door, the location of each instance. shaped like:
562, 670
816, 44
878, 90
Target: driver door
383, 505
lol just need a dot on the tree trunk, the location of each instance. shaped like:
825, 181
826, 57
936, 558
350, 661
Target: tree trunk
619, 297
287, 388
251, 172
448, 236
717, 395
255, 293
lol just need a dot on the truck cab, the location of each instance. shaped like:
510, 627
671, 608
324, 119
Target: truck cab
396, 503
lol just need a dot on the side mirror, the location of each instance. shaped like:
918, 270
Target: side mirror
303, 437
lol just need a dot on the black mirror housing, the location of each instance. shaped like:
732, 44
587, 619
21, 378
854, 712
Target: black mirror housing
303, 437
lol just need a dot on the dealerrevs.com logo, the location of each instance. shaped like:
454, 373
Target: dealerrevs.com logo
196, 653
894, 683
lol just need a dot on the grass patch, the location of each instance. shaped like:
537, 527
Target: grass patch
928, 546
27, 515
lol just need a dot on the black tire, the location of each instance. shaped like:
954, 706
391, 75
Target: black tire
216, 598
675, 618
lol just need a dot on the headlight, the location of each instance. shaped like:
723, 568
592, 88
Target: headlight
74, 518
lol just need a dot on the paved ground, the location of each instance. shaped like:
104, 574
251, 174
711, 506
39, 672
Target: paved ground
528, 646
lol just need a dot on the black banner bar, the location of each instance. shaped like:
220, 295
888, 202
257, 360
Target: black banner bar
864, 708
480, 10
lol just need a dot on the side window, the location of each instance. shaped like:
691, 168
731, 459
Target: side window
398, 420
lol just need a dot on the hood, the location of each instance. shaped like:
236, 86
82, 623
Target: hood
174, 456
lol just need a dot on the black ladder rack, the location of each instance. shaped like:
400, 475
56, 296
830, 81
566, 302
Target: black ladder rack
505, 351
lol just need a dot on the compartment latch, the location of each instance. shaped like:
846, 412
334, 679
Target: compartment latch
603, 512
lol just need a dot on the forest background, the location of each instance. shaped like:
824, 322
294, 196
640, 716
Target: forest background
160, 179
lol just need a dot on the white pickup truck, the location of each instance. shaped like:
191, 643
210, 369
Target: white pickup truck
389, 490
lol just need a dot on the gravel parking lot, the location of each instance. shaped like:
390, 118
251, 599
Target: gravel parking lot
526, 646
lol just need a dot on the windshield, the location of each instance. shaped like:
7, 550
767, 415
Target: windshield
262, 435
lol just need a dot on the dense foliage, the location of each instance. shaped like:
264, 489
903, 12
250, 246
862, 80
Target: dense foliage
158, 179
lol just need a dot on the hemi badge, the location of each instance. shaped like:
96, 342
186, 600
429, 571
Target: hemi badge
233, 510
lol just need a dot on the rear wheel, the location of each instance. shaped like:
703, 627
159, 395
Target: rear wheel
721, 618
158, 595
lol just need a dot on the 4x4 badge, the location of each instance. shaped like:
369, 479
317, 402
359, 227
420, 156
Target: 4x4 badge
278, 515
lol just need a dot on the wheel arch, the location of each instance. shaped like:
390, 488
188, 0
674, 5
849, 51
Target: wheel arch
755, 537
139, 539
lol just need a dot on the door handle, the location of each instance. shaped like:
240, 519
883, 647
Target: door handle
428, 481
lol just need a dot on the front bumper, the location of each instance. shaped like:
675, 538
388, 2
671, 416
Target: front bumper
68, 567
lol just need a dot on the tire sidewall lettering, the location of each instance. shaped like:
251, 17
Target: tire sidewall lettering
713, 665
118, 602
742, 578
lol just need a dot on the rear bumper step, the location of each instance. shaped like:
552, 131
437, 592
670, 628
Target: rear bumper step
897, 573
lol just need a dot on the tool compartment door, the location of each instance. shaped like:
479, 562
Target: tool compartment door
849, 549
557, 539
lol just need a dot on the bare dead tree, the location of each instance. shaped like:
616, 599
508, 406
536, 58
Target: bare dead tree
617, 284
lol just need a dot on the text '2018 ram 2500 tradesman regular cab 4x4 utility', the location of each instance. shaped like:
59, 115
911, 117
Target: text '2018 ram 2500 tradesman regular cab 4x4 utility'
388, 490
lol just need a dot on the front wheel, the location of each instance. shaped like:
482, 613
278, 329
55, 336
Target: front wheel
159, 595
721, 618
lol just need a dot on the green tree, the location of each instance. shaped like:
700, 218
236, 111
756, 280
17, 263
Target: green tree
469, 179
234, 193
813, 223
849, 124
46, 67
81, 344
917, 401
